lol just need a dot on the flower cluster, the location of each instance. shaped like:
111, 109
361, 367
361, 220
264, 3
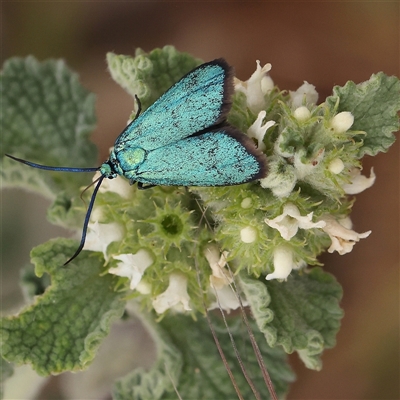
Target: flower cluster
270, 227
313, 164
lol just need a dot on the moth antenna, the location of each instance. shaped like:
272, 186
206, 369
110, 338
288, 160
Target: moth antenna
50, 168
87, 218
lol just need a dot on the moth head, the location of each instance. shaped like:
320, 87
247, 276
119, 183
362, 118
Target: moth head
107, 169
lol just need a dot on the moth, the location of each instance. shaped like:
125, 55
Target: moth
182, 139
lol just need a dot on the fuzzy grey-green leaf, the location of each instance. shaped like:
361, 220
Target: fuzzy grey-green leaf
375, 105
47, 118
305, 312
201, 373
64, 327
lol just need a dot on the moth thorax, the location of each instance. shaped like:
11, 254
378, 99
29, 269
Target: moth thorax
130, 158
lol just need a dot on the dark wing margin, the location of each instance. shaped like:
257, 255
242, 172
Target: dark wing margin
228, 88
251, 148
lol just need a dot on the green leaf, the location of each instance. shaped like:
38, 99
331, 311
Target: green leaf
375, 105
47, 118
301, 314
201, 373
64, 327
149, 75
31, 284
66, 211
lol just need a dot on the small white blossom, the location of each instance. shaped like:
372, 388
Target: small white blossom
256, 87
290, 221
99, 236
342, 236
305, 92
220, 280
257, 130
132, 266
283, 263
143, 287
336, 166
220, 275
302, 113
97, 214
248, 234
117, 185
226, 299
359, 182
246, 202
175, 296
342, 122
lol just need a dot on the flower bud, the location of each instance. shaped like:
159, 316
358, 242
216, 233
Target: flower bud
342, 122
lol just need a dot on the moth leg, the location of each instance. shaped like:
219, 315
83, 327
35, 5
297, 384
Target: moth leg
139, 104
141, 187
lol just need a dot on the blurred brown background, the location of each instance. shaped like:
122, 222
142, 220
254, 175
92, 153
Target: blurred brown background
325, 43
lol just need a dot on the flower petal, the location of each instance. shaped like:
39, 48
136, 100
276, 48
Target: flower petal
283, 263
257, 130
256, 87
226, 299
290, 221
117, 185
175, 296
359, 182
99, 236
305, 92
343, 238
220, 275
132, 266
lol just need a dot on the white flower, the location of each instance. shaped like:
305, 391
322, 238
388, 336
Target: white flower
342, 236
283, 263
305, 92
256, 87
246, 202
99, 236
143, 287
226, 299
220, 280
220, 275
132, 266
117, 185
342, 122
302, 113
175, 296
248, 234
257, 130
290, 221
359, 182
336, 166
